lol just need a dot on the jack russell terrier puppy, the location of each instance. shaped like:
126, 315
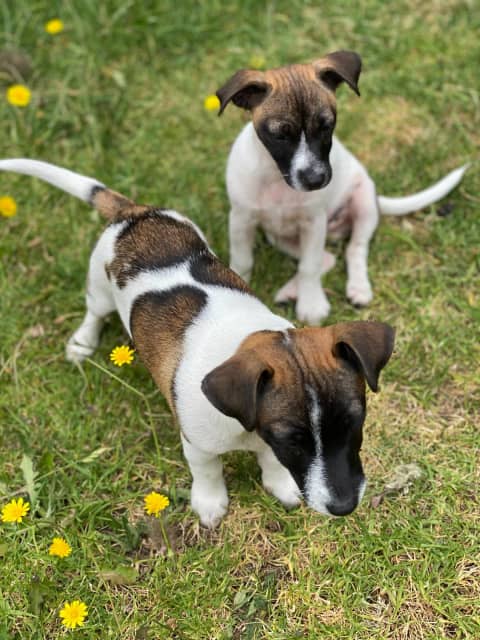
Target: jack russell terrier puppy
288, 173
235, 375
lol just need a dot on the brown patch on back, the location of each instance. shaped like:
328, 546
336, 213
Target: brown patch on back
152, 241
158, 321
207, 269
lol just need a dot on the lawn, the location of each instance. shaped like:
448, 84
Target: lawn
119, 95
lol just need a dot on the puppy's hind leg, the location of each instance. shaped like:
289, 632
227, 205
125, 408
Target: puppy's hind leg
364, 222
100, 303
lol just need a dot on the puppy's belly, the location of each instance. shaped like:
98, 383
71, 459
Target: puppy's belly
283, 211
282, 224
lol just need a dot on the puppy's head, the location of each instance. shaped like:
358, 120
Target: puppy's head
303, 392
294, 112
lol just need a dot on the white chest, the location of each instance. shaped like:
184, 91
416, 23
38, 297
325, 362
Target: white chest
283, 210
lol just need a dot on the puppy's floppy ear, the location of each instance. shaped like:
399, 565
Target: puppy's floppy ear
366, 345
337, 67
235, 387
246, 89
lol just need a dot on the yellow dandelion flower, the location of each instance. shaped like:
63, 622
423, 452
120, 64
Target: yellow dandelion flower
211, 103
256, 62
155, 503
73, 614
8, 206
54, 26
122, 355
15, 510
60, 548
18, 95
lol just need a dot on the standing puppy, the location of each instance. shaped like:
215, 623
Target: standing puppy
288, 173
235, 375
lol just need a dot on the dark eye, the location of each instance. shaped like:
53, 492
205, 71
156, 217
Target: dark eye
283, 132
323, 130
297, 436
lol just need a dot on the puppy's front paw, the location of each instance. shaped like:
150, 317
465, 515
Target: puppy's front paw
359, 292
210, 503
76, 351
314, 308
283, 487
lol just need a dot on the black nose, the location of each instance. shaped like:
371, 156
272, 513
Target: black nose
342, 507
312, 179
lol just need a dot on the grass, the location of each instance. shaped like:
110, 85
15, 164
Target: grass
119, 95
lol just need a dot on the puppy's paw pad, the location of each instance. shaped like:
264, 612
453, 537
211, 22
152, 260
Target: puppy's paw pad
359, 294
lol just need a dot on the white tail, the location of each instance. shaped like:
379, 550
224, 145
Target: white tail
77, 185
408, 204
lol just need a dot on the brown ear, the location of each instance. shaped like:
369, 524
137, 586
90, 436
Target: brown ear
235, 386
246, 89
366, 345
339, 66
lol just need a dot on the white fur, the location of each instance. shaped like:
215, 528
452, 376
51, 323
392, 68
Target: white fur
317, 493
73, 183
296, 220
407, 204
302, 159
227, 319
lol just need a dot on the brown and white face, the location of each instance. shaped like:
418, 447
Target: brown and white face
303, 392
294, 113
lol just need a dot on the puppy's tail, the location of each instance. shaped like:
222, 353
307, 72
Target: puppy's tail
422, 199
110, 204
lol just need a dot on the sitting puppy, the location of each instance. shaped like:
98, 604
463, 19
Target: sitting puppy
288, 173
235, 375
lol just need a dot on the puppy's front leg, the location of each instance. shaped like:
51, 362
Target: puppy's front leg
277, 479
242, 225
209, 497
312, 304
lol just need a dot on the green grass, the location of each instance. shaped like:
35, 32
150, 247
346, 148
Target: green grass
119, 95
